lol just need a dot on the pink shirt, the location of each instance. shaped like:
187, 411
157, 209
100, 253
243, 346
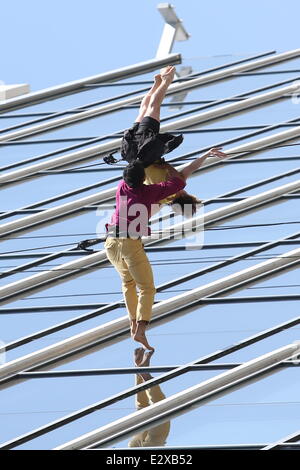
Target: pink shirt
133, 205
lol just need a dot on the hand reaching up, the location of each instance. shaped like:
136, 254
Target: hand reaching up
215, 152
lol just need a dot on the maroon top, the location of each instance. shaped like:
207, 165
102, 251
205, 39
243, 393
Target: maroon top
133, 205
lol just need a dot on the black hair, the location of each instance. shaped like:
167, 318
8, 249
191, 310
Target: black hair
134, 174
188, 202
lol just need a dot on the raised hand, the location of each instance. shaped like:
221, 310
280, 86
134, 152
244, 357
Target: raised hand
215, 152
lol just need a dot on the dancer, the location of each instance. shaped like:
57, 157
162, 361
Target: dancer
141, 146
156, 435
124, 247
143, 142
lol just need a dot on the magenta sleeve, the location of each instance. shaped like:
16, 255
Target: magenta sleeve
159, 191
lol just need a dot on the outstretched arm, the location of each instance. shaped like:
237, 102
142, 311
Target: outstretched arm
196, 164
172, 172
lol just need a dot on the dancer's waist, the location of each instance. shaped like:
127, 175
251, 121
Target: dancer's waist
115, 232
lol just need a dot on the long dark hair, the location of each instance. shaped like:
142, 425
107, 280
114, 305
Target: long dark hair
134, 174
186, 204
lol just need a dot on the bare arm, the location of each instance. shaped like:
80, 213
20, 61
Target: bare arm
196, 164
172, 172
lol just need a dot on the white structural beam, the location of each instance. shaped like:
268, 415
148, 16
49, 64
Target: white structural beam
9, 291
207, 389
16, 176
10, 91
175, 88
77, 85
48, 215
173, 30
183, 228
291, 438
180, 97
56, 211
121, 324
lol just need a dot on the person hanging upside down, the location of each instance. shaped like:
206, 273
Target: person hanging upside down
143, 142
124, 247
142, 145
123, 244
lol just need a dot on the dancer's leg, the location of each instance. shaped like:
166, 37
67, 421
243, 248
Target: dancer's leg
146, 100
141, 271
113, 249
158, 95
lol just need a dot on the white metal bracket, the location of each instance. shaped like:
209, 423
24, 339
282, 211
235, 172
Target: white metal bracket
173, 31
11, 91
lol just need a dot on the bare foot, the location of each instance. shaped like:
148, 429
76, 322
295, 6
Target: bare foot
157, 80
140, 335
138, 356
167, 74
156, 84
133, 326
165, 70
145, 362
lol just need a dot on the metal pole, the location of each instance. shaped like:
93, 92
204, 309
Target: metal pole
205, 301
205, 167
97, 312
75, 86
40, 279
209, 246
295, 437
120, 324
207, 388
103, 182
53, 213
42, 258
239, 190
134, 370
133, 390
99, 149
80, 108
175, 88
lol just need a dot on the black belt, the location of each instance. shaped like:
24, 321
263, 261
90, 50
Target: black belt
116, 233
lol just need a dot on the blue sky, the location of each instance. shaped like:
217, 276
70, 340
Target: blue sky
50, 42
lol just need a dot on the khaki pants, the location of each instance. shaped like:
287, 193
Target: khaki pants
146, 397
129, 258
156, 435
